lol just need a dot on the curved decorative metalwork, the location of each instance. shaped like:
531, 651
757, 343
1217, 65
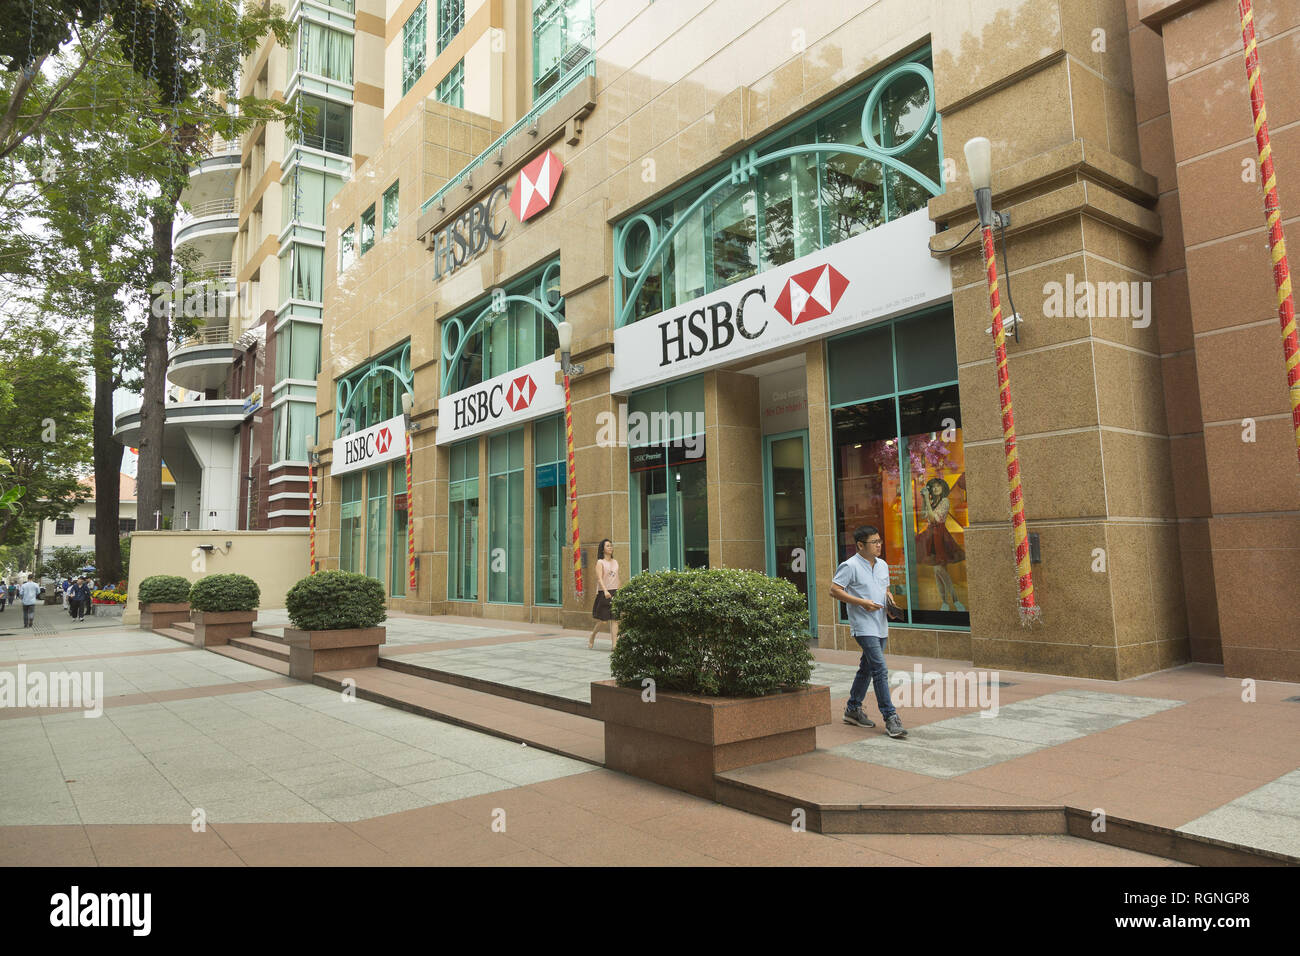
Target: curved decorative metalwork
451, 353
346, 390
745, 166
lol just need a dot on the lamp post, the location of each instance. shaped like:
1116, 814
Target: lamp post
408, 405
979, 160
313, 460
565, 333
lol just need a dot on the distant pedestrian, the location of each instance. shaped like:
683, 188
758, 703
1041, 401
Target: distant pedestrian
80, 598
28, 592
862, 584
606, 588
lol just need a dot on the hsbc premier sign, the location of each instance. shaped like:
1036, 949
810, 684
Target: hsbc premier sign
877, 275
374, 446
518, 396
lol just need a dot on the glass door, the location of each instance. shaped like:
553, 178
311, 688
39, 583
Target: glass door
787, 514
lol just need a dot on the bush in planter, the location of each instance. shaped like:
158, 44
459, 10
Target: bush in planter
164, 589
335, 600
225, 592
720, 632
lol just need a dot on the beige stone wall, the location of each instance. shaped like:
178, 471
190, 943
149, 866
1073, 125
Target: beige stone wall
276, 560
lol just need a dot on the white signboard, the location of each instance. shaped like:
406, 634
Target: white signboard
518, 396
880, 274
373, 446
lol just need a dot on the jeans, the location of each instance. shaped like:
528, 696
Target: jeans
29, 615
872, 670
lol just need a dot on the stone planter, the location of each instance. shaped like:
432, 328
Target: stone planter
682, 740
311, 652
154, 617
212, 628
109, 610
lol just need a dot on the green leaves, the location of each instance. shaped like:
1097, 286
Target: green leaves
335, 600
718, 632
224, 592
164, 589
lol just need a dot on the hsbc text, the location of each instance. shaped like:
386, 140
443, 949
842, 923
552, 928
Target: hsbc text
710, 328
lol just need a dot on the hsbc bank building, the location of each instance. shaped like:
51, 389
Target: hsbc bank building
779, 329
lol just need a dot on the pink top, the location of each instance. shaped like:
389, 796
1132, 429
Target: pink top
607, 573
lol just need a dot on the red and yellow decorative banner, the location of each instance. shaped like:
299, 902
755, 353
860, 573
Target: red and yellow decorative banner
410, 517
1273, 214
1029, 610
311, 515
573, 491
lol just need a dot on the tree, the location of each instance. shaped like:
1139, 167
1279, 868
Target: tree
46, 437
65, 561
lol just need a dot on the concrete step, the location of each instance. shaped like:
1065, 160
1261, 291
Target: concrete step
579, 708
256, 658
258, 645
542, 728
176, 634
186, 626
265, 634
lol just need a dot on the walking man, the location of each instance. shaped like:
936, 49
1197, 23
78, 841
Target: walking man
862, 584
28, 593
81, 597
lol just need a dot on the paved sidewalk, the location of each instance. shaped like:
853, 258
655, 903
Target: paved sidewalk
281, 772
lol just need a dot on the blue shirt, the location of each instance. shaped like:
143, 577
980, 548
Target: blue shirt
871, 582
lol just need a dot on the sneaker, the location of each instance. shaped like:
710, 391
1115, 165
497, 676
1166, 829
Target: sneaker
857, 717
894, 727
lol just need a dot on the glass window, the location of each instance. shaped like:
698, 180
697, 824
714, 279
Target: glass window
302, 270
900, 466
125, 525
414, 34
64, 525
390, 208
520, 335
462, 523
324, 52
376, 521
368, 229
451, 20
327, 125
791, 204
301, 431
373, 393
400, 569
550, 515
666, 457
307, 196
732, 225
350, 530
451, 88
853, 197
347, 247
297, 351
506, 517
563, 39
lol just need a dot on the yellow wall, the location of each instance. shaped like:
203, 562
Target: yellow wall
276, 560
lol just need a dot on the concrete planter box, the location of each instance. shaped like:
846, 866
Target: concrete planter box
682, 740
154, 617
212, 628
311, 652
109, 610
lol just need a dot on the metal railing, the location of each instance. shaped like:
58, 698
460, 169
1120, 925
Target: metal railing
209, 270
221, 335
216, 145
549, 99
211, 207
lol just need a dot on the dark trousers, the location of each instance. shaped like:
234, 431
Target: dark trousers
29, 615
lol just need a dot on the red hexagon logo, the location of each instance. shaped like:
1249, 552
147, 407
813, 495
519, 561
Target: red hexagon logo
811, 294
520, 393
535, 186
383, 440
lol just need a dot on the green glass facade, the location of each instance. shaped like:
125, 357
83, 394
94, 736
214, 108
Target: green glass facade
550, 509
506, 517
462, 522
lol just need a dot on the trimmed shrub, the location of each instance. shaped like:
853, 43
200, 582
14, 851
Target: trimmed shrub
334, 601
718, 632
225, 592
165, 589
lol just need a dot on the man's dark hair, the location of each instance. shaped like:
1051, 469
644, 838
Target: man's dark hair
865, 532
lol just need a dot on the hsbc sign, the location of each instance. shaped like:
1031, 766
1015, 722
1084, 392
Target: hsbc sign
374, 446
877, 275
509, 399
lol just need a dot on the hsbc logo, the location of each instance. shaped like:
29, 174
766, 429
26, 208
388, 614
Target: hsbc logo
535, 187
811, 294
383, 440
378, 443
520, 393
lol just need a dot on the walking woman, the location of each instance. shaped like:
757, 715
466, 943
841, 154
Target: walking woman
607, 587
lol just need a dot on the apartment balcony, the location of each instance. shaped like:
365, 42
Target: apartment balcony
219, 155
210, 226
220, 415
203, 360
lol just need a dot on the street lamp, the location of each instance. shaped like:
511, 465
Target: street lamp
979, 160
564, 332
408, 405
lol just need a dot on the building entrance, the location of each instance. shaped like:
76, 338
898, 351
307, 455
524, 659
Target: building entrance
787, 514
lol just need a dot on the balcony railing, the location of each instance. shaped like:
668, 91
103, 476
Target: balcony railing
215, 145
211, 207
210, 270
220, 335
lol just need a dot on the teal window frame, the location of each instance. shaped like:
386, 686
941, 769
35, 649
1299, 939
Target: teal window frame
451, 88
352, 508
896, 394
415, 34
550, 470
398, 569
376, 526
506, 531
451, 20
372, 392
691, 212
391, 210
463, 530
575, 25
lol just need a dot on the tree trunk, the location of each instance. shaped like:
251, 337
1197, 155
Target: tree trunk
108, 461
148, 480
